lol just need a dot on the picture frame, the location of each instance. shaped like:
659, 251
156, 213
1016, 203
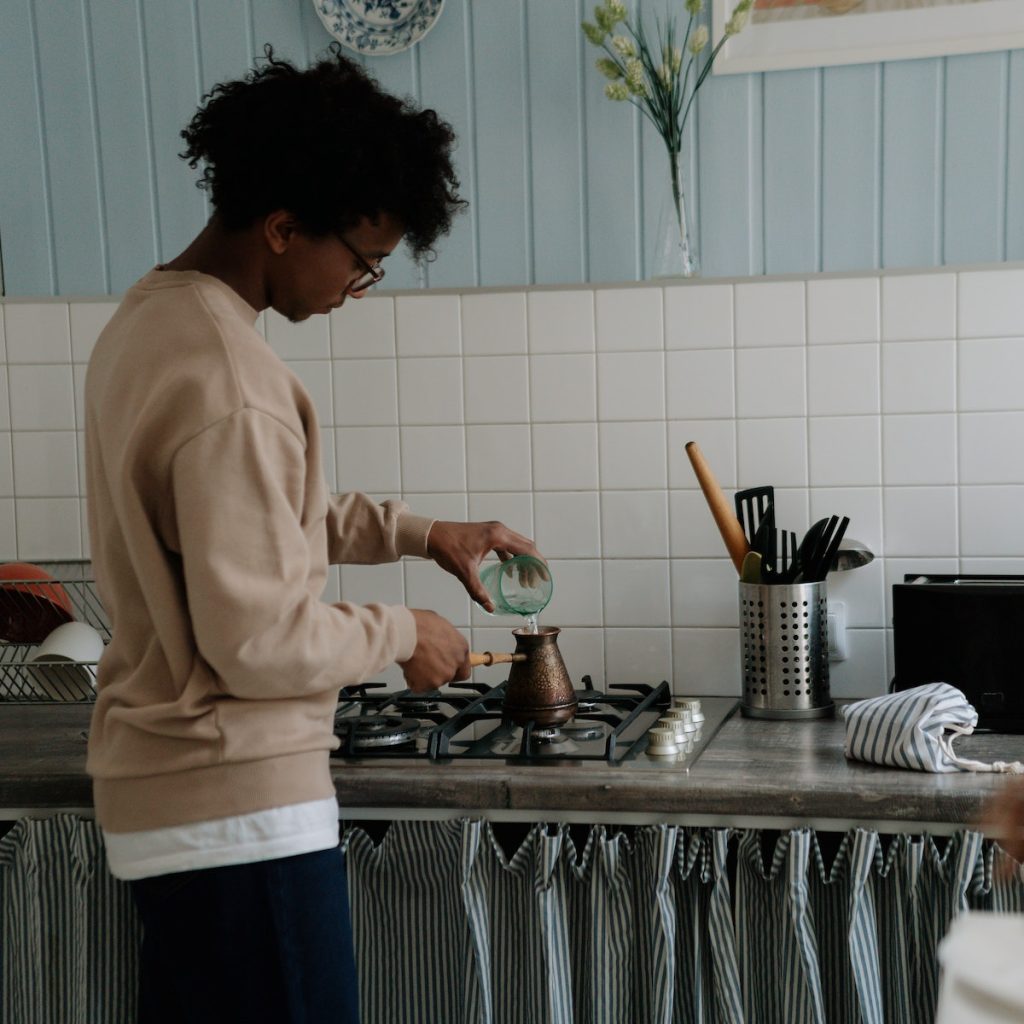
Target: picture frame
803, 35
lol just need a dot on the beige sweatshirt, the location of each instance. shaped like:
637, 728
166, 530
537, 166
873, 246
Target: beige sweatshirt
211, 532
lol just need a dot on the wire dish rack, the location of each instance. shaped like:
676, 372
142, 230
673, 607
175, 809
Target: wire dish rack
25, 681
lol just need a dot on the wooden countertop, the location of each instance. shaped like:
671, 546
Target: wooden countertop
793, 771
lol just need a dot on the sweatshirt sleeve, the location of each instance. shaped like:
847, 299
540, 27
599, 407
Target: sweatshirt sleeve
363, 532
240, 491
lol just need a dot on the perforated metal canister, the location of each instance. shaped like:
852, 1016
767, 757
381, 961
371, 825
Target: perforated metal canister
784, 637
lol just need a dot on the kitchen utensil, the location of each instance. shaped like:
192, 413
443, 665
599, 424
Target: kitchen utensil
753, 507
829, 554
725, 519
750, 572
784, 636
816, 565
32, 605
64, 665
477, 658
779, 565
518, 586
539, 688
806, 548
852, 554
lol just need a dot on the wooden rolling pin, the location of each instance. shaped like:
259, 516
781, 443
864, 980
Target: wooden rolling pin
487, 658
724, 516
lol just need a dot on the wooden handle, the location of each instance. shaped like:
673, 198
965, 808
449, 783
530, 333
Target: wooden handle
487, 658
724, 516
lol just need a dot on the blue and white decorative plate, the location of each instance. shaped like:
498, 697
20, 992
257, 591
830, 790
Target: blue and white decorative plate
378, 27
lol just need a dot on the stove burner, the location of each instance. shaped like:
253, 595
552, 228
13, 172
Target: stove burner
414, 704
587, 700
580, 731
377, 730
548, 736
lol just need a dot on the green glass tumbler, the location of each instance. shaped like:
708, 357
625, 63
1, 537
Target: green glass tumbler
520, 586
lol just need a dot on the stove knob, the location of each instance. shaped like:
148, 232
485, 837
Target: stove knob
661, 739
692, 705
681, 720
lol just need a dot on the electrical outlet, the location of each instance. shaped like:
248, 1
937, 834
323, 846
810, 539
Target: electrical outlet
838, 649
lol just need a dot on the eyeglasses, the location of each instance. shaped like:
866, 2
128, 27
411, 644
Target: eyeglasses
373, 274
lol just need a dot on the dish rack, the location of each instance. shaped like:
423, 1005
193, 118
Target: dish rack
21, 682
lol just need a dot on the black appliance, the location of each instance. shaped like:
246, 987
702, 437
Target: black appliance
966, 631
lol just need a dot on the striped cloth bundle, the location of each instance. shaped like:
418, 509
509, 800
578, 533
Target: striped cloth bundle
915, 729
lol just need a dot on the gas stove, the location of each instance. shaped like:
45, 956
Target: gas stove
464, 723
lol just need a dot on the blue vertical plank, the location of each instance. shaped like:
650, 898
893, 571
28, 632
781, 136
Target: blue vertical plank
226, 44
611, 179
792, 171
398, 73
80, 244
125, 154
554, 47
281, 24
444, 87
851, 167
730, 125
501, 140
25, 216
171, 58
1015, 159
974, 198
912, 163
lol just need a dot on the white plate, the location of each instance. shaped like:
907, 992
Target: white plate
378, 27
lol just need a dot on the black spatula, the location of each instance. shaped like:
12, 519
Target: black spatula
753, 507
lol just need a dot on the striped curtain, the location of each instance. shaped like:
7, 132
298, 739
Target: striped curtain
655, 924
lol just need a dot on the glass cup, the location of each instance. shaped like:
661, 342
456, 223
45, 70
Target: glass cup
520, 586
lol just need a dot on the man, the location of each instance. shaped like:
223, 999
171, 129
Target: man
211, 531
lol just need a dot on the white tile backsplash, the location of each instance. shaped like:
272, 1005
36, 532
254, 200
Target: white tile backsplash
632, 455
770, 313
700, 384
629, 319
631, 386
494, 324
366, 392
893, 399
364, 327
918, 307
561, 321
842, 310
37, 332
699, 316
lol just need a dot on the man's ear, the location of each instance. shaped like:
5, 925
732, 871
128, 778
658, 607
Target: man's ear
279, 229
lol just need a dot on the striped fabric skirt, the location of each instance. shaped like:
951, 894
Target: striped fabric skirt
658, 924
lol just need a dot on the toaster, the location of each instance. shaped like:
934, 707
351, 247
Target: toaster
966, 631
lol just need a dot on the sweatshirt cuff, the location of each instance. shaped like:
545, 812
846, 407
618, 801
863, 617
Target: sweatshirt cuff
405, 629
411, 534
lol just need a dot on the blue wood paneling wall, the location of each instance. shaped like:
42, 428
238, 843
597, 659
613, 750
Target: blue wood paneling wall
914, 163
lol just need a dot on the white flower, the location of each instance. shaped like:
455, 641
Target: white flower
593, 33
608, 68
736, 22
694, 6
699, 39
635, 77
603, 18
616, 91
665, 76
616, 11
623, 46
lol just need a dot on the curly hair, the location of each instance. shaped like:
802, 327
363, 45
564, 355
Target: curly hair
328, 145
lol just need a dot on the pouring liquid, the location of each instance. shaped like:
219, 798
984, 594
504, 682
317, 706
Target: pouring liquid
530, 624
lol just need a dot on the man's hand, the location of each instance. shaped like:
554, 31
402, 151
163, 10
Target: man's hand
441, 654
459, 548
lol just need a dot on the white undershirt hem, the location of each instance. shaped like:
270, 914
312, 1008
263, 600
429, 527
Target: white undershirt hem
242, 839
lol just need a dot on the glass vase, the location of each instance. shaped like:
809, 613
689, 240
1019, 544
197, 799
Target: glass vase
675, 253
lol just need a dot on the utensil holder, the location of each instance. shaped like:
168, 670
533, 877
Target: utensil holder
784, 634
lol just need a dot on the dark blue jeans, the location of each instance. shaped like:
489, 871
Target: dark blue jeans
251, 943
